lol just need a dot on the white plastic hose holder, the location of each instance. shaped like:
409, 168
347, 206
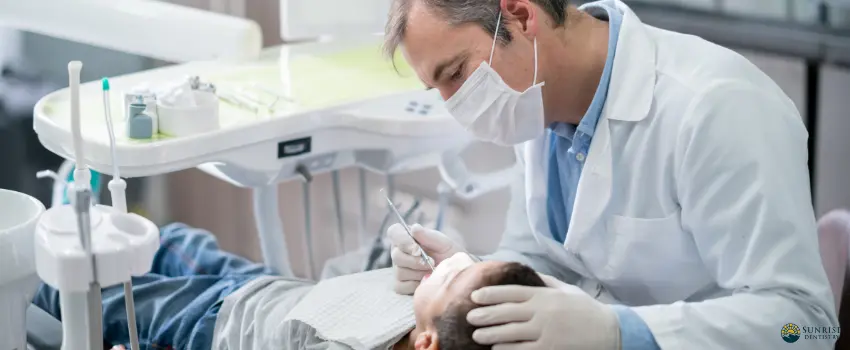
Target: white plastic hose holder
123, 246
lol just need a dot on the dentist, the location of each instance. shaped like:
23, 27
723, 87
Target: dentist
665, 179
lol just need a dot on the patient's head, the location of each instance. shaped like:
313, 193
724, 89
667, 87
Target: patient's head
443, 299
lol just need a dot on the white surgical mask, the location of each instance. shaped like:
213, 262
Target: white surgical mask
492, 111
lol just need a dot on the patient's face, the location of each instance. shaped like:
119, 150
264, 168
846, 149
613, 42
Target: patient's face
455, 278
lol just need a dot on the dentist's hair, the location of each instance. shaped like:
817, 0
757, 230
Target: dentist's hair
454, 332
481, 12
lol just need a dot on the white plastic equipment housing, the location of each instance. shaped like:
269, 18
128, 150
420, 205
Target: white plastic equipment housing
19, 214
183, 121
469, 185
123, 245
170, 32
310, 19
349, 101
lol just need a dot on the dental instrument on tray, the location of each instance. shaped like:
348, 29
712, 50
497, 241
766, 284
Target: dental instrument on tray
251, 98
118, 192
238, 101
424, 256
277, 96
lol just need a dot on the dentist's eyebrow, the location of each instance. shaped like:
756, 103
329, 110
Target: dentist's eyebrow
445, 64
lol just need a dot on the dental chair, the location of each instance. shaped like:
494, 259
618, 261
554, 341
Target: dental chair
834, 239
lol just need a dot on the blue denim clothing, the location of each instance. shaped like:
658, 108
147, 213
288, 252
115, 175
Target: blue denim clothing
569, 144
178, 301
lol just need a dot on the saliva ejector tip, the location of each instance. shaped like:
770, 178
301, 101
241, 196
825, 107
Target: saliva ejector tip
105, 83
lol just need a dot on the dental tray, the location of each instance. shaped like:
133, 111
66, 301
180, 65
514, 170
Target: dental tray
345, 105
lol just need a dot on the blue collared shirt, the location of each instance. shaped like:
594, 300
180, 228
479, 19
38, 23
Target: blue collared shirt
569, 145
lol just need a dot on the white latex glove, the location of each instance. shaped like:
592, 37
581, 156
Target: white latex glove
559, 316
409, 268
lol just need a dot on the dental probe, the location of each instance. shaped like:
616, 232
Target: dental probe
425, 258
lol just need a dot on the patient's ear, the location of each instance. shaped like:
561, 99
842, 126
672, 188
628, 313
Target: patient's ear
426, 340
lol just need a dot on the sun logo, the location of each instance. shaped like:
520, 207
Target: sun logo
790, 333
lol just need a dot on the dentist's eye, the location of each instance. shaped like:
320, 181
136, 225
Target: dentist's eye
458, 74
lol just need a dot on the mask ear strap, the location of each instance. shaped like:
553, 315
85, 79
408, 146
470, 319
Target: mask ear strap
535, 62
495, 36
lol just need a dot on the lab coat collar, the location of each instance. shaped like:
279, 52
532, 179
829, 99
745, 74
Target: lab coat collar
633, 76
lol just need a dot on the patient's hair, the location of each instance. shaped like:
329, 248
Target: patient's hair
454, 332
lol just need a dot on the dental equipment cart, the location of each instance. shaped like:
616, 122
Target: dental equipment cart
341, 106
345, 106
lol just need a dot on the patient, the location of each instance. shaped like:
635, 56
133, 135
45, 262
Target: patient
443, 300
199, 297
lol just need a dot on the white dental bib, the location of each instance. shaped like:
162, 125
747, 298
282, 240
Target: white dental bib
361, 310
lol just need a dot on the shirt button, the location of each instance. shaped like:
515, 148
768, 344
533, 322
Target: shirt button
580, 157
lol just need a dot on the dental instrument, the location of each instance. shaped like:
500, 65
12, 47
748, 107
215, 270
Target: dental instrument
238, 101
424, 256
277, 97
379, 247
308, 229
337, 198
308, 222
390, 186
118, 192
364, 207
196, 84
93, 312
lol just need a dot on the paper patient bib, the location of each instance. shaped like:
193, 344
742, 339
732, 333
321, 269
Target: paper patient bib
360, 310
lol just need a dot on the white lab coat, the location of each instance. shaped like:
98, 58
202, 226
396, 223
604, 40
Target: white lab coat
694, 203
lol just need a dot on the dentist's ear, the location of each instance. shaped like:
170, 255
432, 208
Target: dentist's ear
523, 13
427, 340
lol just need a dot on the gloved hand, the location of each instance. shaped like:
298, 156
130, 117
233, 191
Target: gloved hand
408, 264
559, 316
